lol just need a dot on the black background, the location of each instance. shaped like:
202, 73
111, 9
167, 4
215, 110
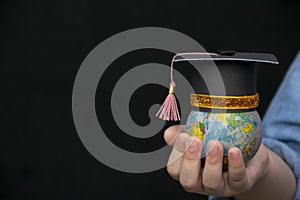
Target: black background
42, 45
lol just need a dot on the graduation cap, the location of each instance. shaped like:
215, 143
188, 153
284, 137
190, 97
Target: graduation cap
235, 93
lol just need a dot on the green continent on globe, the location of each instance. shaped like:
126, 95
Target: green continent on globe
241, 130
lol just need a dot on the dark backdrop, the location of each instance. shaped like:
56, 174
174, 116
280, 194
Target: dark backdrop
43, 43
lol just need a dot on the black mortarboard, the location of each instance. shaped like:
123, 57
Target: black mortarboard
234, 76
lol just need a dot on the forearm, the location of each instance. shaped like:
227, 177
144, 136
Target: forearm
278, 183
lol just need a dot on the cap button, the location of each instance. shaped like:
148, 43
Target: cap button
226, 52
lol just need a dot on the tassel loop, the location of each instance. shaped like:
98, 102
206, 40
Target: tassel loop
169, 110
172, 87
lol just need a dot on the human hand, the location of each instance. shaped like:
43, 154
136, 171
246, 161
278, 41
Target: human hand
184, 165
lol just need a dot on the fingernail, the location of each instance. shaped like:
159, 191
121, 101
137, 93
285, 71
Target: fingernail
214, 150
235, 155
194, 146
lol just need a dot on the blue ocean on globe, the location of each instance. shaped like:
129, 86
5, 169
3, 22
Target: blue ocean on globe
242, 130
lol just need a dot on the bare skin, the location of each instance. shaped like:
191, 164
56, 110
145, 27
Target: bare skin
265, 176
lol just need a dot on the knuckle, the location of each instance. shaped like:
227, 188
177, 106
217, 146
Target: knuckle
213, 160
236, 174
190, 157
189, 187
173, 172
235, 166
210, 187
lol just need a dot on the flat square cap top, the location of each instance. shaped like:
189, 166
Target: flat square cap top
237, 71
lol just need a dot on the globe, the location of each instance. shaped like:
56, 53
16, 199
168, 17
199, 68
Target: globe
242, 130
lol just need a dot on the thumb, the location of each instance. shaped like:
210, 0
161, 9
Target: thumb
171, 134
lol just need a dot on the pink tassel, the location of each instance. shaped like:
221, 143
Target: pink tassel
169, 110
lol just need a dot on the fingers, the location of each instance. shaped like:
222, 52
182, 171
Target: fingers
171, 133
184, 165
190, 169
236, 169
176, 157
212, 174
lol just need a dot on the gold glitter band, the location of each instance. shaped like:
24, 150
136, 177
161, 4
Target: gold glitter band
224, 102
